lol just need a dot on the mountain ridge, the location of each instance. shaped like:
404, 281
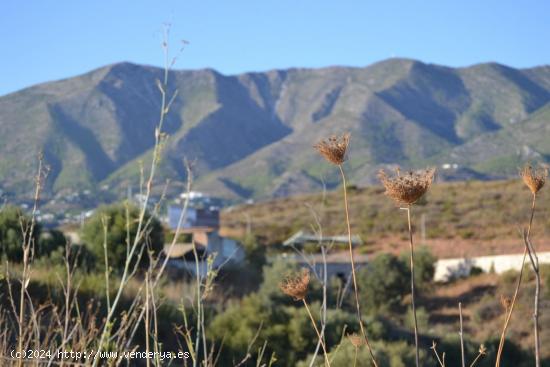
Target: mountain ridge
251, 134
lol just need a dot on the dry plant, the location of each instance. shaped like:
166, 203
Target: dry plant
334, 150
28, 247
406, 190
441, 358
296, 286
111, 327
534, 179
357, 341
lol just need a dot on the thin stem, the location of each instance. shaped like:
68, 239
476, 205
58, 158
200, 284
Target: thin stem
28, 242
327, 362
106, 261
434, 348
477, 359
147, 322
518, 284
417, 354
461, 335
536, 319
535, 265
357, 305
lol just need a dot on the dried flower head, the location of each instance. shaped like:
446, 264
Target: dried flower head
296, 285
334, 148
408, 188
534, 178
356, 340
482, 350
506, 302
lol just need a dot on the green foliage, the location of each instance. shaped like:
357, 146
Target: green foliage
79, 255
424, 266
383, 283
254, 253
49, 242
388, 354
12, 224
545, 275
287, 329
422, 318
121, 220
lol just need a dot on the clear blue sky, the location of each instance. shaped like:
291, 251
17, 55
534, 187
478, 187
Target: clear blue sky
43, 40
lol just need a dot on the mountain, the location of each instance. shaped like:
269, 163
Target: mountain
251, 135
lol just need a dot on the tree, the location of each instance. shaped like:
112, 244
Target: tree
384, 283
49, 242
121, 222
12, 224
424, 266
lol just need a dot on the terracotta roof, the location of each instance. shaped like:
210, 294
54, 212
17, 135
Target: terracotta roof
179, 249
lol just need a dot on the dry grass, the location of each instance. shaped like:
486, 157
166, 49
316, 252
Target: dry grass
461, 218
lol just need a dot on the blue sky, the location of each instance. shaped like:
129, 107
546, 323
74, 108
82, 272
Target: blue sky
45, 40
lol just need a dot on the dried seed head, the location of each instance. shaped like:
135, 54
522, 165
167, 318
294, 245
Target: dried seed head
296, 286
506, 302
482, 350
408, 188
356, 340
534, 178
334, 148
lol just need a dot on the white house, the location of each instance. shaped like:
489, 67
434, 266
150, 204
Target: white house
207, 243
446, 269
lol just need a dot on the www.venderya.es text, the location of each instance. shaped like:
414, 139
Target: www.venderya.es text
69, 355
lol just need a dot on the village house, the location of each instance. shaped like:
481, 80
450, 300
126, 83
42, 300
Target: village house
337, 262
200, 240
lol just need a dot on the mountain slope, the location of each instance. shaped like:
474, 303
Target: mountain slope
250, 135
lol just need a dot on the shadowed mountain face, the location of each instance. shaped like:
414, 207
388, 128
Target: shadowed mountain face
251, 135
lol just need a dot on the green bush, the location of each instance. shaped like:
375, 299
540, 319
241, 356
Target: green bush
12, 223
121, 219
50, 241
254, 253
424, 266
388, 354
383, 283
80, 256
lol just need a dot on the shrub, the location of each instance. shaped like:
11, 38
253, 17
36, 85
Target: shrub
117, 226
12, 222
383, 283
254, 253
80, 256
424, 266
49, 242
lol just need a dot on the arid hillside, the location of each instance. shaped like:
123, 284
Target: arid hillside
460, 219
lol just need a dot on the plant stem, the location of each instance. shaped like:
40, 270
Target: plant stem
475, 360
417, 355
509, 314
535, 265
147, 322
461, 335
536, 319
357, 305
327, 362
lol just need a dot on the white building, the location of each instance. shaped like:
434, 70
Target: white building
447, 269
208, 243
